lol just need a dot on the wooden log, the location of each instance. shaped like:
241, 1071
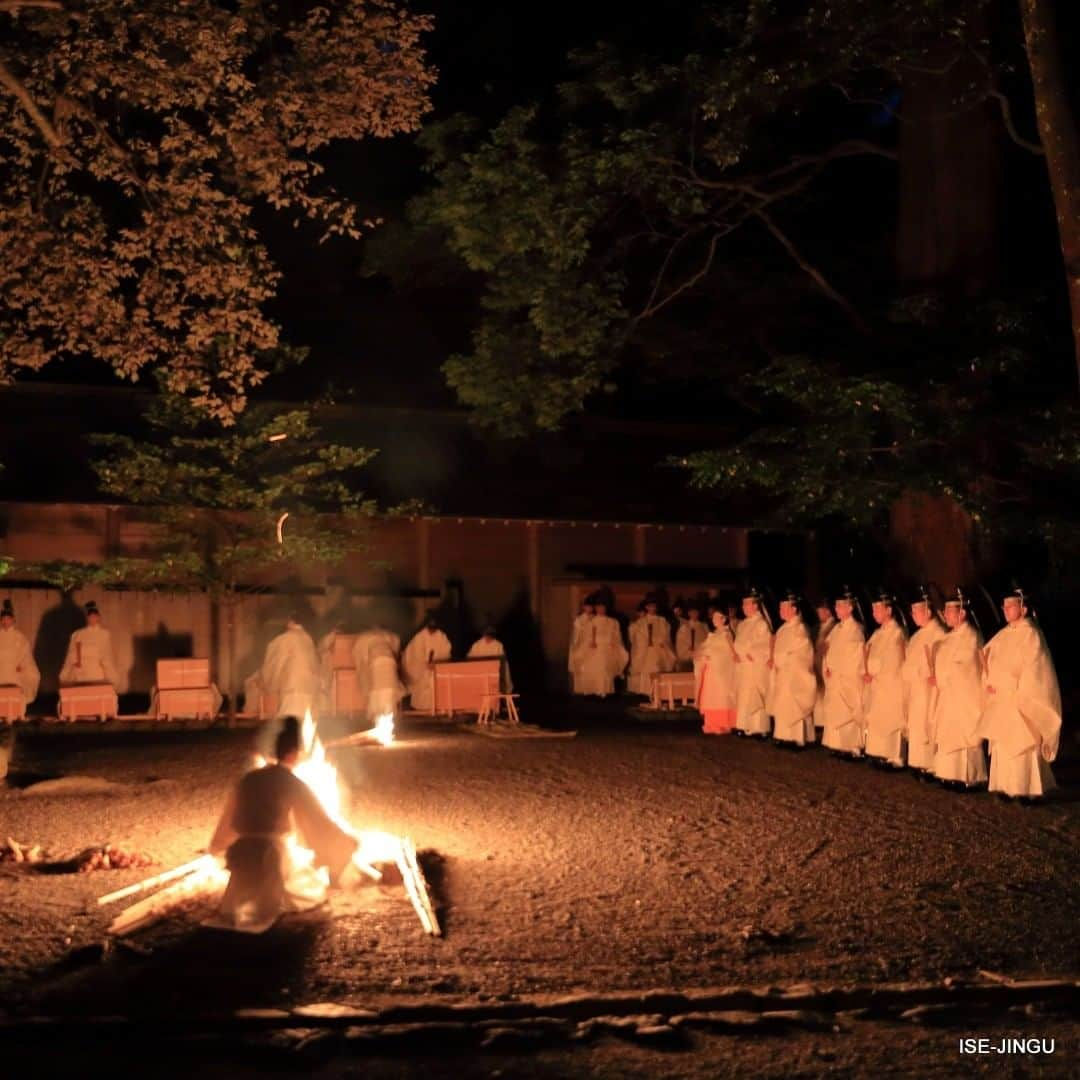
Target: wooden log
416, 887
158, 879
203, 882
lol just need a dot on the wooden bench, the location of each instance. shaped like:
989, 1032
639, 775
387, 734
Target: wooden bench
669, 686
183, 688
88, 699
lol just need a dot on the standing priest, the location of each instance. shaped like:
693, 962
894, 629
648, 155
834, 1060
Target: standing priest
1022, 718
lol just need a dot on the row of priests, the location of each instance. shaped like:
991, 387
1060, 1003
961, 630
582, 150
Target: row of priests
933, 700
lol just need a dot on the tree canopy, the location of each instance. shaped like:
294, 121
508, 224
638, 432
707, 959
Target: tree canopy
139, 139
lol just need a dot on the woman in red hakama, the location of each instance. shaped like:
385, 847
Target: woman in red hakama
714, 667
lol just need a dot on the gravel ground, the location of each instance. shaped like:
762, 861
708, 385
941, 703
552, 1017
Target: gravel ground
632, 856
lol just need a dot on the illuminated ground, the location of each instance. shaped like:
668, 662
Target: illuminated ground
628, 857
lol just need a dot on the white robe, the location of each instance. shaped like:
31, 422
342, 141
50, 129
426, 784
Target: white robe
90, 658
650, 652
954, 728
17, 665
365, 645
600, 658
690, 637
883, 696
265, 806
792, 684
291, 672
820, 648
753, 641
384, 688
714, 668
919, 695
426, 647
842, 711
1022, 718
577, 633
482, 648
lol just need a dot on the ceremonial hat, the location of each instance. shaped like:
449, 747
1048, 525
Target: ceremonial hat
846, 592
1016, 592
7, 610
958, 598
91, 608
790, 596
489, 629
925, 594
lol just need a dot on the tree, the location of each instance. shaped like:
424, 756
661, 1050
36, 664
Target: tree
676, 179
1060, 138
140, 142
215, 500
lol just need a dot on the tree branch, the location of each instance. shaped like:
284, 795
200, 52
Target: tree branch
1010, 127
15, 87
652, 309
815, 274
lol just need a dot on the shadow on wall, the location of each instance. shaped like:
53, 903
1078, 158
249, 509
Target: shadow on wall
54, 632
148, 649
456, 618
519, 632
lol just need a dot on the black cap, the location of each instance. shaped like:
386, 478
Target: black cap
925, 594
91, 608
884, 596
7, 610
752, 592
790, 596
1017, 592
958, 597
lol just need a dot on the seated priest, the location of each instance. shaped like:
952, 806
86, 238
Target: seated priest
17, 665
90, 654
266, 806
488, 645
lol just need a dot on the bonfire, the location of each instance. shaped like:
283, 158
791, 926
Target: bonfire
205, 877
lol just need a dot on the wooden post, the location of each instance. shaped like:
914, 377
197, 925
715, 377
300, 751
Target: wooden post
639, 545
532, 532
423, 541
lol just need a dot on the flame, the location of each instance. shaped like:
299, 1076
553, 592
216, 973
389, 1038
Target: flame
322, 777
383, 731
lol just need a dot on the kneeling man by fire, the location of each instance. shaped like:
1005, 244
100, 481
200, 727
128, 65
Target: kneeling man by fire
263, 809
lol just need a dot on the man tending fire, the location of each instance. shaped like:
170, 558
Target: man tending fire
261, 812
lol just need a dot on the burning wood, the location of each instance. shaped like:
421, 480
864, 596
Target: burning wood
382, 733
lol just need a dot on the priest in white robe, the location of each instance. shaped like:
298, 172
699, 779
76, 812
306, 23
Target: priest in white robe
1022, 717
90, 657
577, 635
753, 645
792, 682
17, 664
291, 671
601, 657
845, 666
714, 667
266, 806
428, 646
488, 646
650, 649
825, 623
385, 689
690, 637
919, 695
883, 696
959, 758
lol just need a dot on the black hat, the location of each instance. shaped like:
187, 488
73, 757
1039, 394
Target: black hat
884, 596
958, 597
790, 596
91, 608
7, 610
752, 592
1017, 592
847, 593
926, 594
650, 598
489, 629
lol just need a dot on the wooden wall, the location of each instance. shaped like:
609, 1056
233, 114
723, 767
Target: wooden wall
512, 572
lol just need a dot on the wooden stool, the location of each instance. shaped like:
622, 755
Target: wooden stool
491, 708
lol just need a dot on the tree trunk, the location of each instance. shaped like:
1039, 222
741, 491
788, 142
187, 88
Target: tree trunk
1060, 140
947, 241
932, 539
947, 236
